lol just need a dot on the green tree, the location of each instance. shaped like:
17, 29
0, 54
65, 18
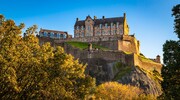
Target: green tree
171, 68
30, 71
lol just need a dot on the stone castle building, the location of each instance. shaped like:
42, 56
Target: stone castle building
111, 33
101, 27
54, 34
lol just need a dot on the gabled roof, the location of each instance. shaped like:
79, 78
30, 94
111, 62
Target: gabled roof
102, 21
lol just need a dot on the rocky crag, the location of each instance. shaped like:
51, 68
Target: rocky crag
108, 65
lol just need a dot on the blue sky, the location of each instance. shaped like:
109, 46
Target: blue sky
150, 20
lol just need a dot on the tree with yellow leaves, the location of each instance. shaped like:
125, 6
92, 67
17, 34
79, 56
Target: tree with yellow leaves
30, 71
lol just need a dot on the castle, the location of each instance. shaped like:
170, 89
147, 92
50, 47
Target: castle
111, 33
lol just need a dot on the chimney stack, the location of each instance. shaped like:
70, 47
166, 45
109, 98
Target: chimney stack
103, 17
95, 17
77, 19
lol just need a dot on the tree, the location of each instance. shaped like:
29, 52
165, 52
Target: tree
117, 91
30, 71
171, 69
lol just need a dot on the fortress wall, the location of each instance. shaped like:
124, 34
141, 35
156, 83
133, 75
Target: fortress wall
124, 43
128, 44
106, 55
145, 64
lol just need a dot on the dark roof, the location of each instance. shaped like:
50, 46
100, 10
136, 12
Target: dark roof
101, 21
80, 23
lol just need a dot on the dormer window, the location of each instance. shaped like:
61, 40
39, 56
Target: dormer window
100, 26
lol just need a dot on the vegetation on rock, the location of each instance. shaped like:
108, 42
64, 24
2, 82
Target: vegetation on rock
122, 70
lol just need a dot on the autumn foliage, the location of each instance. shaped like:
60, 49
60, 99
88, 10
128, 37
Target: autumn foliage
30, 71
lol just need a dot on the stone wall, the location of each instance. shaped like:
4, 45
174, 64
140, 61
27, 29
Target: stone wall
146, 64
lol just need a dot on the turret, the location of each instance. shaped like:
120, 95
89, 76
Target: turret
158, 59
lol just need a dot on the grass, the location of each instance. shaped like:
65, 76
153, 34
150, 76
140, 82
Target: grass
84, 45
144, 59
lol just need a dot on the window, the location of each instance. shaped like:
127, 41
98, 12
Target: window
45, 34
106, 25
82, 35
111, 24
114, 31
100, 26
64, 36
77, 35
89, 28
109, 32
77, 27
103, 33
58, 35
51, 35
98, 33
82, 28
117, 24
61, 36
87, 34
41, 34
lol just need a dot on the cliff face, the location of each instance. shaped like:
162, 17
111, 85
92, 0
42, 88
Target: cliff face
117, 66
104, 71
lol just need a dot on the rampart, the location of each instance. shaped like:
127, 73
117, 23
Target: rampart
114, 56
146, 63
126, 43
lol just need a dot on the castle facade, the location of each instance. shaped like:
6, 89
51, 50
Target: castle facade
100, 27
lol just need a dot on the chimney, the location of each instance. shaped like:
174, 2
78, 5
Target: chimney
77, 19
103, 17
95, 17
